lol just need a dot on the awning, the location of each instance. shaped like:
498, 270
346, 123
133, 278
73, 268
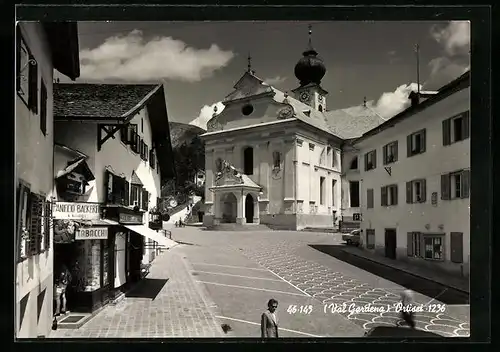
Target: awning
152, 235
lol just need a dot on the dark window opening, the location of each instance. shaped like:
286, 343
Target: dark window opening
370, 160
248, 161
354, 163
354, 193
321, 190
43, 109
276, 160
416, 143
247, 110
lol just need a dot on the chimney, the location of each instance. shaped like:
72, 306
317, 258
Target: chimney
414, 98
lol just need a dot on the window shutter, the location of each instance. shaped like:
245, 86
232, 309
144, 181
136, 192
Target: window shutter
384, 154
145, 199
33, 86
466, 125
408, 145
395, 187
369, 198
445, 187
424, 190
126, 196
421, 239
22, 190
47, 224
456, 247
409, 193
446, 132
366, 162
423, 140
108, 177
409, 244
36, 225
146, 153
396, 147
383, 196
465, 186
374, 159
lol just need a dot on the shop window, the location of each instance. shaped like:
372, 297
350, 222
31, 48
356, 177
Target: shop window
416, 191
389, 195
415, 143
370, 238
354, 193
433, 249
455, 185
371, 160
456, 129
390, 152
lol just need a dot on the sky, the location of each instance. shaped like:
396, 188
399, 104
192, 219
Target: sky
199, 62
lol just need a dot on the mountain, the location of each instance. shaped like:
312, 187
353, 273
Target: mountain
181, 133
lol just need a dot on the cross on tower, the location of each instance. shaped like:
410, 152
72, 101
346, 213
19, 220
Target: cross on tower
249, 63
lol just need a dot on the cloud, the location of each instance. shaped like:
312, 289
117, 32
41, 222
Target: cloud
131, 58
455, 37
275, 80
455, 59
392, 103
206, 113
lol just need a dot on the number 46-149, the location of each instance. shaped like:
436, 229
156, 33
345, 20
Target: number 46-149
294, 309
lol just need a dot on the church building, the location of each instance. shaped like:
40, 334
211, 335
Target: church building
274, 158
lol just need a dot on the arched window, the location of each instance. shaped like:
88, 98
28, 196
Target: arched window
248, 161
354, 163
276, 160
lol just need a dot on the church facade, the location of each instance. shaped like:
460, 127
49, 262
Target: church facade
274, 158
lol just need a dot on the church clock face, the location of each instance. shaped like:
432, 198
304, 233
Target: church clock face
304, 97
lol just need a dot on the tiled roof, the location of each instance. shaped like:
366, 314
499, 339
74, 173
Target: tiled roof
99, 100
135, 180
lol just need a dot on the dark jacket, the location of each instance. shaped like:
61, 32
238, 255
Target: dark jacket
268, 327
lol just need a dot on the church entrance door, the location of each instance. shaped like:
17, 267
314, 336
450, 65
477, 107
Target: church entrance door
249, 209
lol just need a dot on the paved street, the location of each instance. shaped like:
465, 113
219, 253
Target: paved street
243, 270
166, 304
217, 278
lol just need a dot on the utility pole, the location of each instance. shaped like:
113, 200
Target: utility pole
417, 52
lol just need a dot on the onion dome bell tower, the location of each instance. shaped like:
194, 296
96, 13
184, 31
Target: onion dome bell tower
309, 70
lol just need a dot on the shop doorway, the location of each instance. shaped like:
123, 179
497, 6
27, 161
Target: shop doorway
249, 209
136, 249
390, 243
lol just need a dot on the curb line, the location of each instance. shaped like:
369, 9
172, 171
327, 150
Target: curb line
407, 272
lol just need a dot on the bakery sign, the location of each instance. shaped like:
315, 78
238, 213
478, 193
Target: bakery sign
92, 233
67, 210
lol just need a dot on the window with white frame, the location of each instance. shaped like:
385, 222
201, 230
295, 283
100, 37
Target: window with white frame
416, 191
416, 143
135, 194
371, 160
456, 128
455, 185
390, 152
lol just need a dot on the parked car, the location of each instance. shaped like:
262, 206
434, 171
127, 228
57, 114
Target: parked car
352, 238
397, 331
